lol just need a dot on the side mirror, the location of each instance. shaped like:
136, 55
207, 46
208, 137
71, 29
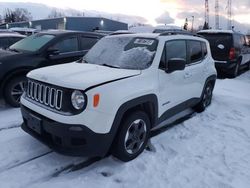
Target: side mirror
175, 64
52, 51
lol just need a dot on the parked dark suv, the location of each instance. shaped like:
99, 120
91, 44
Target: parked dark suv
230, 50
9, 38
39, 50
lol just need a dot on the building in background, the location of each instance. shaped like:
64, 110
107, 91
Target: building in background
71, 23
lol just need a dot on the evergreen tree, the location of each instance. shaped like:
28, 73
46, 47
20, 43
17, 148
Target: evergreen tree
185, 27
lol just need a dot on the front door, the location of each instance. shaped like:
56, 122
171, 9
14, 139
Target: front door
67, 51
173, 87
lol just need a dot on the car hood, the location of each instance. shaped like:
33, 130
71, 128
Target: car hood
11, 56
80, 75
6, 53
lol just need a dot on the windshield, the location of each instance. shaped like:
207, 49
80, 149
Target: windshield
123, 52
32, 43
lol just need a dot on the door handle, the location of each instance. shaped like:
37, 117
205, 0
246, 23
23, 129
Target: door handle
187, 75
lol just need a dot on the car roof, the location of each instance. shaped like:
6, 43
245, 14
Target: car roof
214, 31
9, 34
66, 32
23, 29
142, 35
161, 36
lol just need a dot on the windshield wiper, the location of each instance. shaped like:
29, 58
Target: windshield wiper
84, 61
112, 66
13, 50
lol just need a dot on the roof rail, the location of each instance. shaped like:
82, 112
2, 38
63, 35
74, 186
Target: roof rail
178, 32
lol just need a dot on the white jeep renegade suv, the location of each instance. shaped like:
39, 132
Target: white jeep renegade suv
124, 86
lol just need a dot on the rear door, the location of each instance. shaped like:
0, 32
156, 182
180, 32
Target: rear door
195, 71
220, 44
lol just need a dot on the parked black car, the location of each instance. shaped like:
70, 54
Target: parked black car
39, 50
230, 50
9, 38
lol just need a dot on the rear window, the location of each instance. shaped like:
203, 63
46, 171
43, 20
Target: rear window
204, 49
220, 44
219, 39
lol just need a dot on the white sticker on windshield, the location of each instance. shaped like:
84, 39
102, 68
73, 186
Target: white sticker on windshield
144, 41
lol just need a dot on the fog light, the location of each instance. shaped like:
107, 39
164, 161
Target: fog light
76, 129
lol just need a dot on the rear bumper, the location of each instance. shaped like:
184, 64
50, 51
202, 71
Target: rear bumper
226, 66
73, 140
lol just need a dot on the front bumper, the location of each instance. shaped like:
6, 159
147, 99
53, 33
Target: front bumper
73, 140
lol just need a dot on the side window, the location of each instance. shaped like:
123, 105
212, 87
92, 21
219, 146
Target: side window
243, 40
195, 51
163, 59
237, 41
4, 43
247, 40
67, 45
176, 49
87, 42
204, 49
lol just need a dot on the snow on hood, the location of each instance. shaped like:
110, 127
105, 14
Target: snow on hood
79, 75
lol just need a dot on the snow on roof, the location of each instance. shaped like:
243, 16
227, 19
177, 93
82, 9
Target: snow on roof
23, 29
150, 29
149, 35
11, 35
215, 31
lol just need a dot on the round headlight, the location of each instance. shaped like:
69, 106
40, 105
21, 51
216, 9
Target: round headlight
78, 100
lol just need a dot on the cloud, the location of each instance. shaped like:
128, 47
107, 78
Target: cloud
164, 19
183, 15
199, 21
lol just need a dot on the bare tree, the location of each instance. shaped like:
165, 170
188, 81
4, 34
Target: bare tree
22, 14
9, 16
56, 14
18, 15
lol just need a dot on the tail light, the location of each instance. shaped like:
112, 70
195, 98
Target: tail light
232, 54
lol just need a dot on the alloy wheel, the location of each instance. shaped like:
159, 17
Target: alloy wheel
207, 97
17, 90
135, 136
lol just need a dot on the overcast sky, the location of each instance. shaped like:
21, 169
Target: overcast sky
155, 10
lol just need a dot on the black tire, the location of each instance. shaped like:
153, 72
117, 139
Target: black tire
14, 90
132, 137
206, 98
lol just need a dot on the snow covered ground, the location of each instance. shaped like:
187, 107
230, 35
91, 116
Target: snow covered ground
211, 149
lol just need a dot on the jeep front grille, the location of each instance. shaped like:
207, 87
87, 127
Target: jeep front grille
45, 94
